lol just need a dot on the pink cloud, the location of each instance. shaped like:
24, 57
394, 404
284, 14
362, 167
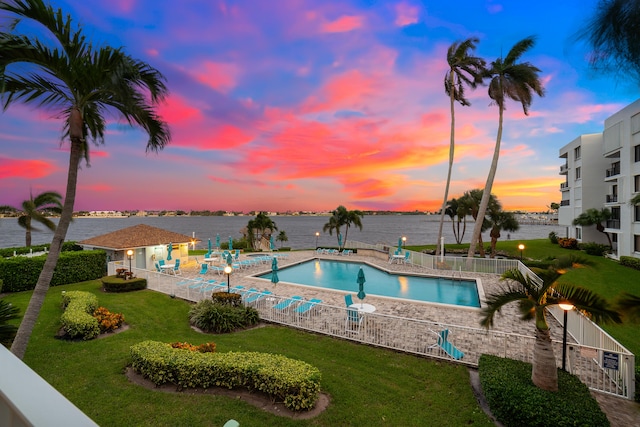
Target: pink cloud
27, 169
219, 76
343, 24
406, 14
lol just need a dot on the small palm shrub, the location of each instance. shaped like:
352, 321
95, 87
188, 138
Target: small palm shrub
553, 237
221, 318
7, 312
592, 248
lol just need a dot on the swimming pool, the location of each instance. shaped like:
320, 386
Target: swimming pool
341, 275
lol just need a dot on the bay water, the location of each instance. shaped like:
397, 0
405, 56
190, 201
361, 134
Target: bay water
300, 230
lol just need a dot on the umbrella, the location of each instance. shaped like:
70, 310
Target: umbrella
230, 243
169, 249
360, 282
272, 246
209, 253
229, 259
274, 271
339, 240
399, 242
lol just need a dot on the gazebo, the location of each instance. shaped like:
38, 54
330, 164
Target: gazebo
149, 245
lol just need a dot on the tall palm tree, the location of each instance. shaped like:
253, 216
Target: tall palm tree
260, 227
595, 217
471, 203
500, 220
80, 83
464, 70
533, 299
509, 79
47, 201
337, 219
352, 218
629, 305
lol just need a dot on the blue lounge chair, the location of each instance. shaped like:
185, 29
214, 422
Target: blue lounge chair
204, 268
287, 303
305, 308
256, 296
348, 300
446, 346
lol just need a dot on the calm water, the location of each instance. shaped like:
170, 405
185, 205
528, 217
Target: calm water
341, 275
386, 229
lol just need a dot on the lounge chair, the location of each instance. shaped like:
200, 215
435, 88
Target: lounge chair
256, 296
204, 268
353, 321
446, 346
287, 303
306, 307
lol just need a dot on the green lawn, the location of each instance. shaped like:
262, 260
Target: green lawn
366, 385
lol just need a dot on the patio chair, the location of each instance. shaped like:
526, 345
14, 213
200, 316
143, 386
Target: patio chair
353, 321
204, 268
176, 268
306, 307
407, 255
286, 304
348, 300
158, 268
443, 343
256, 296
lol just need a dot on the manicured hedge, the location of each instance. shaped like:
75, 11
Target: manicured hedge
21, 273
77, 319
631, 262
294, 382
516, 401
117, 284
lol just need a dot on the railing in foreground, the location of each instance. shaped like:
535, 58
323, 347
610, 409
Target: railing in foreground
605, 366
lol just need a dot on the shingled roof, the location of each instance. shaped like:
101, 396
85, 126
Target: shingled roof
137, 236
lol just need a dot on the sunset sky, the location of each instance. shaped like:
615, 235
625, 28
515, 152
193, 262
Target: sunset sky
306, 104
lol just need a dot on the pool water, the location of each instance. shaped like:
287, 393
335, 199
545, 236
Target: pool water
342, 275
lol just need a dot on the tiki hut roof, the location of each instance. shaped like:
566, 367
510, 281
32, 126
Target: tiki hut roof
137, 236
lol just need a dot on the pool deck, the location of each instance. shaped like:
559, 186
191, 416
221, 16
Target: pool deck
505, 321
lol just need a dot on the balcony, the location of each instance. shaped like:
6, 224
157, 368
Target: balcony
613, 171
564, 203
564, 186
613, 223
564, 169
612, 198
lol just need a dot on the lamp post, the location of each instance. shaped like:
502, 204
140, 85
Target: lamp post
404, 241
227, 270
317, 235
521, 247
130, 256
565, 306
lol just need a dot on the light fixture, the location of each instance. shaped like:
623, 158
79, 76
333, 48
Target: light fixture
566, 307
227, 270
317, 235
130, 256
521, 247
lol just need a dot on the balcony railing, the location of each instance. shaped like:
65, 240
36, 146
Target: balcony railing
612, 198
564, 169
564, 186
613, 223
564, 203
615, 170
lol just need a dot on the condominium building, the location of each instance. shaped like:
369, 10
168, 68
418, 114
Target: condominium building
603, 171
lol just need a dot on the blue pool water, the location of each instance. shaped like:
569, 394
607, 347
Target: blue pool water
341, 275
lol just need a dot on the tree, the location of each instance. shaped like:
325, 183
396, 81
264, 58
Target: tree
47, 201
464, 70
79, 83
635, 200
258, 228
509, 79
352, 218
7, 331
554, 206
471, 206
613, 32
336, 221
282, 237
595, 217
452, 212
533, 299
629, 306
500, 220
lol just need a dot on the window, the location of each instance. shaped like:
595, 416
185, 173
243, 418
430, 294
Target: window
636, 184
636, 214
578, 233
636, 243
636, 153
578, 173
576, 152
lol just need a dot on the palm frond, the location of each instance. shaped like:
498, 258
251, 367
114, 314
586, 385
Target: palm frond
588, 302
629, 305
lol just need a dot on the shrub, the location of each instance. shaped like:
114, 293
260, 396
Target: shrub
592, 248
631, 262
553, 237
209, 347
116, 284
294, 382
77, 320
568, 242
107, 320
516, 401
227, 298
221, 318
7, 331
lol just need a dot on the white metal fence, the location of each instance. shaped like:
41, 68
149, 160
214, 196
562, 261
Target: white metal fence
597, 359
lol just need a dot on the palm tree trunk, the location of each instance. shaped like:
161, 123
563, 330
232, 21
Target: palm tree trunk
544, 373
451, 155
28, 238
21, 340
484, 202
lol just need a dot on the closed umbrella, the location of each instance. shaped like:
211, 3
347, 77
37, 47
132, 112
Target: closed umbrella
274, 271
230, 243
217, 241
209, 253
229, 259
272, 245
399, 243
339, 240
169, 249
360, 281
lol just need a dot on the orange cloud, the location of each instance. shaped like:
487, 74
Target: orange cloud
27, 169
343, 24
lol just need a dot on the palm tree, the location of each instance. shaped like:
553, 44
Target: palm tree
629, 306
471, 206
47, 201
595, 217
500, 220
336, 221
7, 331
79, 83
282, 237
352, 218
260, 227
464, 70
635, 200
533, 299
514, 80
